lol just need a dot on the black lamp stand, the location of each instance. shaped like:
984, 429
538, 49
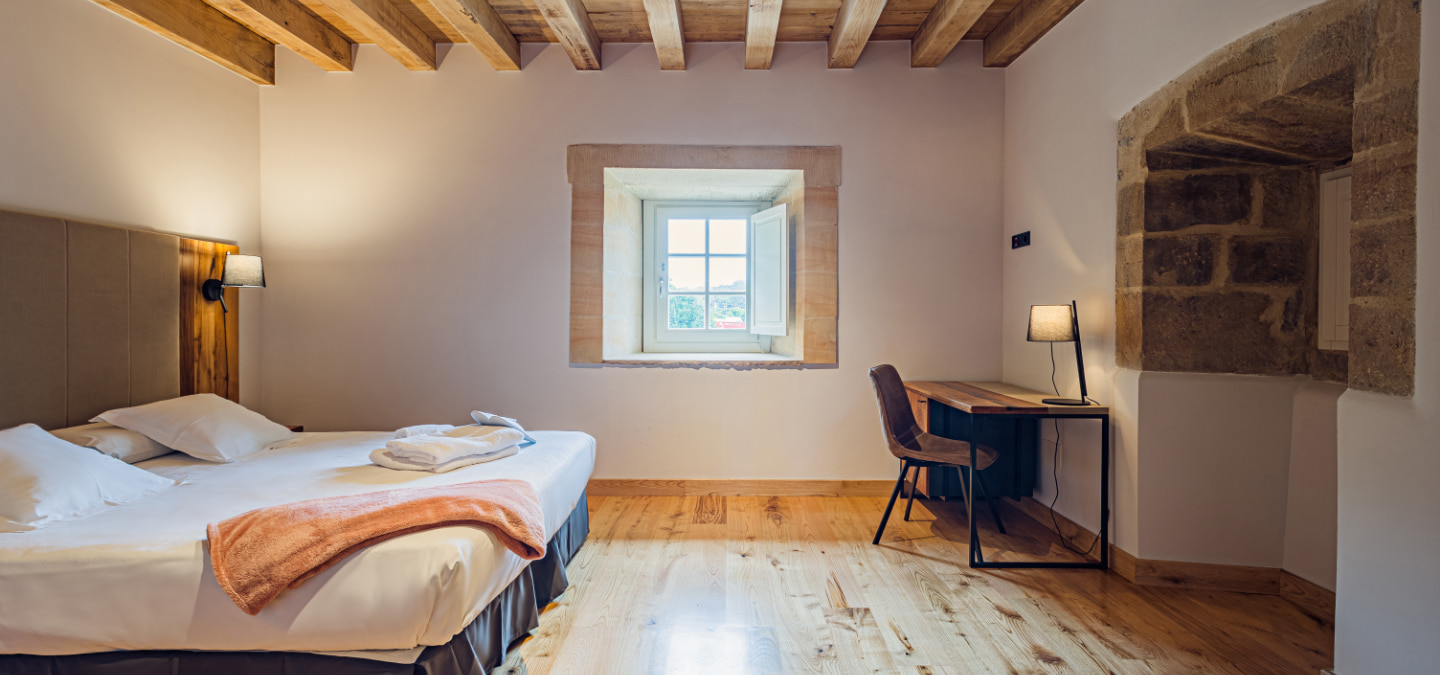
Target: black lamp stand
1079, 364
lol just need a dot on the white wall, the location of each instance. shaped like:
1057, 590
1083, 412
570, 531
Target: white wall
1388, 604
105, 121
1214, 464
417, 237
1310, 507
1063, 101
1234, 470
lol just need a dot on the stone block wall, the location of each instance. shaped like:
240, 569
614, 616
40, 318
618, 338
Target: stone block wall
1216, 251
1228, 277
1382, 229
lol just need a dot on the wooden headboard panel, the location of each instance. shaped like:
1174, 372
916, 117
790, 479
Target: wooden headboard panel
209, 338
95, 317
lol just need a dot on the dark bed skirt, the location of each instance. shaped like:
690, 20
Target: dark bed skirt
476, 650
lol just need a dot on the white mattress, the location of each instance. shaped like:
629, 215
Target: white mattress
138, 575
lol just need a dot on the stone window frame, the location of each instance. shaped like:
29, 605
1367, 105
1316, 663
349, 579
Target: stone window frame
814, 245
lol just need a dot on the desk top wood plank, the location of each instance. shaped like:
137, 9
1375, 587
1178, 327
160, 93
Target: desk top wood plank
998, 398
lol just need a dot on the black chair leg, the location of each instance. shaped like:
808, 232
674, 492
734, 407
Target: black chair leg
964, 491
911, 503
994, 513
899, 483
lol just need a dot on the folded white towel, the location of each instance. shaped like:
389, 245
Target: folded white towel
382, 457
435, 449
488, 420
422, 430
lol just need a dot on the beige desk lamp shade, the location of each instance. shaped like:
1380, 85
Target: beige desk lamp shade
1051, 323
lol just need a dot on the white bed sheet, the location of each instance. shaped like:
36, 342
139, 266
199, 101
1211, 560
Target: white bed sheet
138, 576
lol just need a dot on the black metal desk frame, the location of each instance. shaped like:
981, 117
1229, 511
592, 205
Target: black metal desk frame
994, 403
977, 556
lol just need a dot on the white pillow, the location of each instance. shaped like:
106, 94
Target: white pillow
107, 439
203, 426
44, 480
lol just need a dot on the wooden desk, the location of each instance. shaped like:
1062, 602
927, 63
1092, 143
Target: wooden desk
999, 398
978, 401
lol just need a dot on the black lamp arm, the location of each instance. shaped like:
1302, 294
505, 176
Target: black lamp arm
1079, 356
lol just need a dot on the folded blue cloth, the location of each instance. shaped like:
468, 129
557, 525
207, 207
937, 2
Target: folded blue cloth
485, 419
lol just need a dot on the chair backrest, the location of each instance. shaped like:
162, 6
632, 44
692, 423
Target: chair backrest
901, 431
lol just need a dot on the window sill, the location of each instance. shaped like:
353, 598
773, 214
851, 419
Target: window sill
690, 360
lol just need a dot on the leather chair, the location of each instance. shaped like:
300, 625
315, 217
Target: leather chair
917, 449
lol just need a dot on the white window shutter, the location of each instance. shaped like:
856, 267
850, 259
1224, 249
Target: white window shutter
1334, 328
769, 271
1342, 263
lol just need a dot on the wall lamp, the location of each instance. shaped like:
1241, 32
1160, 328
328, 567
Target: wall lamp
240, 271
1059, 323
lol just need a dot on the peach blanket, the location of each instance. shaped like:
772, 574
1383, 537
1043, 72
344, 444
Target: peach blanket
258, 554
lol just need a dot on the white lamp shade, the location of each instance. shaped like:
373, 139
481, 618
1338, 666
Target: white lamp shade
243, 271
1051, 323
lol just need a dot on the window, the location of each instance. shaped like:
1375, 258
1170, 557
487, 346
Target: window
1334, 330
713, 283
793, 280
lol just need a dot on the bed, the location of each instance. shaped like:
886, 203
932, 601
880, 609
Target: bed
94, 318
137, 577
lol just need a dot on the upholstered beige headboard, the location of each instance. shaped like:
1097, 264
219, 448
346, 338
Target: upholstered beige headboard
95, 317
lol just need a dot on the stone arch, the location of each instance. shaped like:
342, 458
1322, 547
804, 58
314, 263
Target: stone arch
1216, 250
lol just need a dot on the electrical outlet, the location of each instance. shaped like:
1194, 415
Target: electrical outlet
1022, 239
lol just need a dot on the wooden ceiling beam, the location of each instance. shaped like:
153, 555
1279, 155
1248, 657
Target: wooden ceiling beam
1023, 27
762, 24
205, 31
570, 22
482, 26
853, 26
943, 28
390, 29
667, 31
288, 23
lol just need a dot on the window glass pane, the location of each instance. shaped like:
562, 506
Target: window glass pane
686, 275
686, 236
687, 311
728, 236
727, 274
727, 311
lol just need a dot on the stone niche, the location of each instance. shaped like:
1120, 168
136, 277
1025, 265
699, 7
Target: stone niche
1217, 237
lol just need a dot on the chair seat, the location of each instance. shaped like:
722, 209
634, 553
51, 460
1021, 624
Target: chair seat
937, 450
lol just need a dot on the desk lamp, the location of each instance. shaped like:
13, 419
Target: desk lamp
1059, 323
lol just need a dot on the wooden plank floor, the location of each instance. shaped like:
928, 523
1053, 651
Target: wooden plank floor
692, 585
